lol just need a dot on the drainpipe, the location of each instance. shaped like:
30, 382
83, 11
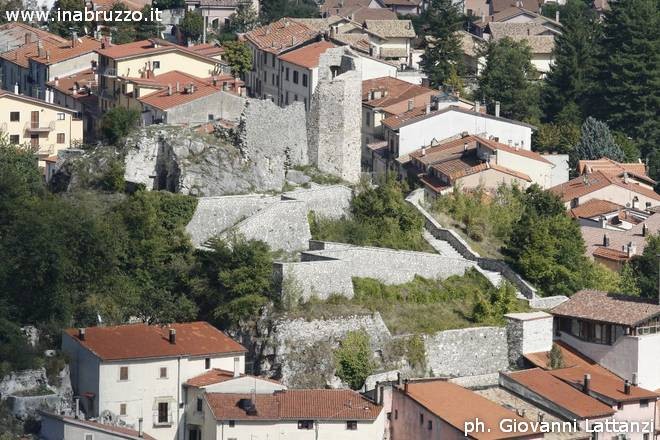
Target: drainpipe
178, 395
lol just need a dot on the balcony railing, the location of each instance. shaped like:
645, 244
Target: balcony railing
110, 72
38, 128
159, 421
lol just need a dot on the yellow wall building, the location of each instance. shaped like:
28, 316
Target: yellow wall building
47, 128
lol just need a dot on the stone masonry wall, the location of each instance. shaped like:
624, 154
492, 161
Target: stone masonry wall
528, 333
335, 116
221, 105
467, 352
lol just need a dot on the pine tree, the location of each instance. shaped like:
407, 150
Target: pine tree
575, 54
442, 56
626, 91
596, 142
628, 282
508, 78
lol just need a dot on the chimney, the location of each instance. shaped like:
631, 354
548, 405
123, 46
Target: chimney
411, 104
81, 334
497, 109
477, 106
398, 378
541, 417
177, 87
74, 38
28, 38
586, 383
427, 110
625, 177
465, 147
634, 379
645, 230
557, 16
169, 90
381, 391
424, 151
40, 49
140, 431
377, 392
172, 331
57, 81
626, 386
237, 363
603, 225
77, 413
405, 386
16, 88
631, 249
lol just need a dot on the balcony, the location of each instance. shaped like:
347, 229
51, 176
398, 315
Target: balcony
110, 72
38, 128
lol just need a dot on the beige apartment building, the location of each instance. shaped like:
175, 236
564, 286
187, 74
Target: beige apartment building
46, 128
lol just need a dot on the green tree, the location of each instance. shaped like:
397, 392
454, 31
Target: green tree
9, 5
596, 142
556, 358
559, 137
244, 19
233, 279
353, 359
626, 89
576, 54
645, 268
273, 10
117, 123
238, 56
628, 283
508, 78
192, 26
442, 57
122, 31
147, 28
64, 27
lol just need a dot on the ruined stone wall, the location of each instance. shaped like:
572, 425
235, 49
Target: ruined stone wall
326, 201
467, 352
335, 116
221, 105
528, 333
323, 273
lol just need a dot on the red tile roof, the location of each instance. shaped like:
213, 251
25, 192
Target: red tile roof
82, 81
54, 50
607, 386
594, 207
217, 375
560, 393
611, 254
570, 356
281, 35
600, 306
513, 150
588, 183
139, 341
457, 405
307, 56
119, 431
392, 91
419, 114
610, 166
146, 47
295, 405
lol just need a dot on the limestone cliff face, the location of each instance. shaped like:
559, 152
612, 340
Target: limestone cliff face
184, 161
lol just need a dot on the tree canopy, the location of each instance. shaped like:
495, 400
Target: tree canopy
596, 142
353, 359
442, 57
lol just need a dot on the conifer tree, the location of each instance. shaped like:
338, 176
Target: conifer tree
596, 142
442, 57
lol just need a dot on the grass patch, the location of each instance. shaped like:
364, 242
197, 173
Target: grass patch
41, 390
319, 177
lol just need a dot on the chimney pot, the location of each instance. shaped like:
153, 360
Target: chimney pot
497, 109
398, 378
172, 331
411, 104
634, 379
81, 334
405, 386
140, 431
626, 386
237, 362
586, 383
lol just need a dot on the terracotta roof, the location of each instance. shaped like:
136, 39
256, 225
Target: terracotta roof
208, 49
54, 50
501, 5
612, 167
593, 208
13, 35
356, 41
513, 150
593, 236
457, 405
450, 149
588, 183
571, 358
145, 47
560, 393
600, 306
83, 81
419, 114
281, 35
295, 405
139, 341
611, 254
602, 385
307, 56
321, 24
539, 38
217, 375
392, 91
433, 183
106, 5
365, 13
462, 166
164, 100
119, 431
391, 28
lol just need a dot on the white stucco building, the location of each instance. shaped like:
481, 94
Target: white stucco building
137, 371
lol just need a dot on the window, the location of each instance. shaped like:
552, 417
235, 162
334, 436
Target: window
273, 59
396, 414
89, 436
163, 408
122, 409
162, 374
14, 116
430, 425
295, 97
295, 77
207, 363
619, 406
367, 119
305, 424
61, 116
123, 373
60, 138
14, 139
286, 74
421, 418
645, 436
211, 116
644, 403
287, 98
232, 423
304, 80
200, 402
156, 64
351, 425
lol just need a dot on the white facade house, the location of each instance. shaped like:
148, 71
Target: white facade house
137, 371
418, 128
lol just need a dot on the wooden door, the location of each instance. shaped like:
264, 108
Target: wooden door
34, 141
34, 119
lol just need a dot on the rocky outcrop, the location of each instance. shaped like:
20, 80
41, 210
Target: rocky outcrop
29, 390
